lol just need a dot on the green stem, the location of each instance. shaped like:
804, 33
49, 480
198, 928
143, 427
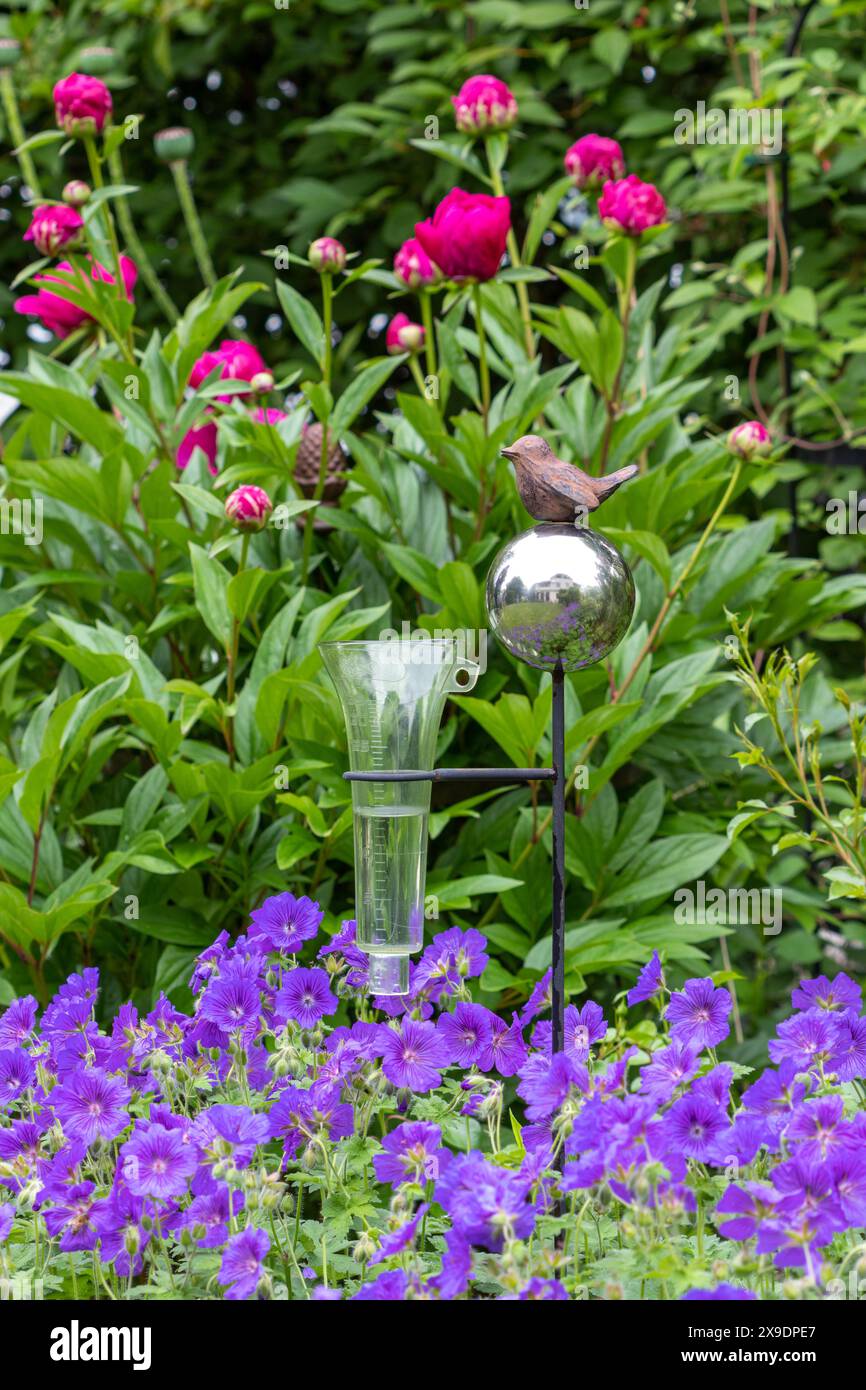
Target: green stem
514, 257
136, 246
429, 338
327, 322
16, 132
95, 164
193, 224
482, 355
232, 656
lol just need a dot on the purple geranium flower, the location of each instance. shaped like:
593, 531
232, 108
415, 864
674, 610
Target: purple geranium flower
838, 994
233, 1003
699, 1013
818, 1128
395, 1241
775, 1094
668, 1068
487, 1205
807, 1039
466, 1032
74, 1219
284, 922
543, 1291
650, 981
506, 1051
213, 1210
390, 1287
239, 1129
412, 1153
453, 1278
540, 999
242, 1263
848, 1174
156, 1162
306, 997
16, 1022
17, 1074
7, 1216
413, 1055
749, 1207
849, 1048
91, 1105
546, 1083
123, 1233
693, 1125
318, 1113
722, 1292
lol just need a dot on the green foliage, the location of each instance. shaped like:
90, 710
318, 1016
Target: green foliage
171, 748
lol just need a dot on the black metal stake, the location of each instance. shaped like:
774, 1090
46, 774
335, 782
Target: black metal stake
558, 910
557, 775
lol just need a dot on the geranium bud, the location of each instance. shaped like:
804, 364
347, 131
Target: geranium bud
249, 507
82, 104
10, 52
365, 1248
131, 1240
97, 60
484, 103
631, 206
403, 335
309, 1158
750, 440
262, 382
173, 144
327, 255
414, 267
593, 159
55, 228
76, 193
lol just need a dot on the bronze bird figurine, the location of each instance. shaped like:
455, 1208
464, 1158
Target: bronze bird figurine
552, 490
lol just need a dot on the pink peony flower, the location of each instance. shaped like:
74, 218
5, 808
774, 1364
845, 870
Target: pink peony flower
594, 158
58, 314
327, 255
237, 360
82, 104
54, 228
466, 235
484, 103
628, 205
202, 437
403, 335
413, 266
248, 508
750, 440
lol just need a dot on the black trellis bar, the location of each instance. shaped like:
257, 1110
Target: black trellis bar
555, 774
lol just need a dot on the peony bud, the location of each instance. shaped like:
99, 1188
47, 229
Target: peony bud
631, 206
403, 335
82, 104
484, 103
249, 507
750, 440
76, 193
97, 60
262, 382
593, 159
414, 267
55, 228
10, 52
173, 144
327, 255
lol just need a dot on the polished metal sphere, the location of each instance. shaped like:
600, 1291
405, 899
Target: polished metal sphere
560, 593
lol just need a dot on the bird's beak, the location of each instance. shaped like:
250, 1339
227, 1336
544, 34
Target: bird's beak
508, 453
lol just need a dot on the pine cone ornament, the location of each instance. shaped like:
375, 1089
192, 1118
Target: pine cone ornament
308, 460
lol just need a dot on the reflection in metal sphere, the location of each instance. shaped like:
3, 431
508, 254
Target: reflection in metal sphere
560, 593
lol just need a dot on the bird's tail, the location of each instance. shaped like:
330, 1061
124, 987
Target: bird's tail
609, 484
